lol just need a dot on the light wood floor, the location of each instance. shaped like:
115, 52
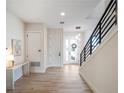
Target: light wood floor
56, 80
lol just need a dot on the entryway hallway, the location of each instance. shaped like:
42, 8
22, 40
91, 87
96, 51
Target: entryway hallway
64, 79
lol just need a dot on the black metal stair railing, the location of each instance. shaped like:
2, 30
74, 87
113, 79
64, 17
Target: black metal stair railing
107, 21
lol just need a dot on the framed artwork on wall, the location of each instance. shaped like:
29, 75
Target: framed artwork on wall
16, 47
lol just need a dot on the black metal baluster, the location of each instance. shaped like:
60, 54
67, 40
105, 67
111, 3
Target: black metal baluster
80, 59
99, 32
84, 53
116, 11
91, 38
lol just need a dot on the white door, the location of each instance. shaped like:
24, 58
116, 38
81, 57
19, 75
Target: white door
54, 48
34, 50
73, 44
71, 52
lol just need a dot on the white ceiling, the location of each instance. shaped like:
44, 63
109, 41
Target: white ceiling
48, 12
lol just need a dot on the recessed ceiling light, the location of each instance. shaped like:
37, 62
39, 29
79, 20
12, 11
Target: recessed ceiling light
62, 13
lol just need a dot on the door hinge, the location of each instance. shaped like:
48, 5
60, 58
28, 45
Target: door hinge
27, 56
27, 35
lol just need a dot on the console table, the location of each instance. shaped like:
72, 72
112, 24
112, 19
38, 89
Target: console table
11, 73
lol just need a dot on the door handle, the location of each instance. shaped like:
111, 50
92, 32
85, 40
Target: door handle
59, 54
39, 50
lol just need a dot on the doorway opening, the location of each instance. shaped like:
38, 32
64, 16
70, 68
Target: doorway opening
72, 45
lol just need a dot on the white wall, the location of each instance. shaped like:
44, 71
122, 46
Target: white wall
39, 27
101, 69
15, 30
107, 2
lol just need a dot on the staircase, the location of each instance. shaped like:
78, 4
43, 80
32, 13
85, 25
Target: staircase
107, 21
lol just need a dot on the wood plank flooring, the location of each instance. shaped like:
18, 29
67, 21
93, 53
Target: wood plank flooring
64, 79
